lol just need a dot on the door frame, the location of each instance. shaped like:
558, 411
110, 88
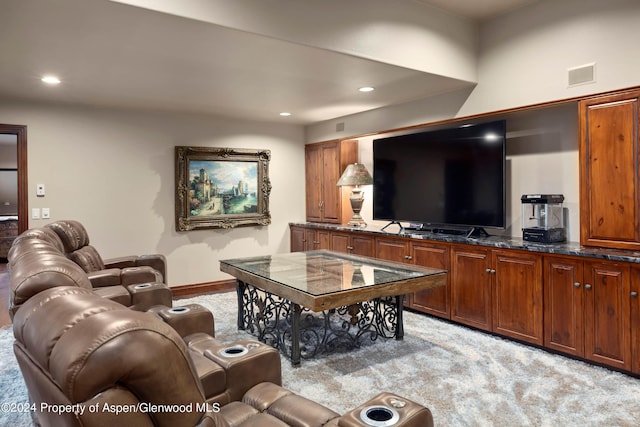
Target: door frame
23, 202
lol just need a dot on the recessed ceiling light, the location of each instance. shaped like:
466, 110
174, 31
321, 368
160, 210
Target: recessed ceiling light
50, 80
366, 89
285, 114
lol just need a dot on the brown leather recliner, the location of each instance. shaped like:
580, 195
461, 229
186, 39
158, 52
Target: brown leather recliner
38, 266
37, 262
88, 362
125, 270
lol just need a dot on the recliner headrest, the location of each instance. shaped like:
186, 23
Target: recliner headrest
71, 232
45, 234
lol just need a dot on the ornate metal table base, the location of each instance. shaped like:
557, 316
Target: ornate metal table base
300, 333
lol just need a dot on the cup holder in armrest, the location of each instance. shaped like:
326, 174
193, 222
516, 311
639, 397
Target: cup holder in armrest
233, 351
143, 286
379, 416
179, 310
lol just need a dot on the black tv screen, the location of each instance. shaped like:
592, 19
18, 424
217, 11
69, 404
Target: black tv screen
453, 177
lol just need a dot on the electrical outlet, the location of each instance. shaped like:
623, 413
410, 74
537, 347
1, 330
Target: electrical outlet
40, 190
46, 213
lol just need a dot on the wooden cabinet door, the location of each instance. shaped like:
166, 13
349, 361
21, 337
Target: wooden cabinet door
340, 242
330, 205
363, 245
470, 287
297, 239
634, 301
564, 305
609, 172
313, 182
607, 320
392, 249
323, 239
517, 295
434, 301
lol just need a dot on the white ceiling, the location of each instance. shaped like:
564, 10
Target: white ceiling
110, 54
479, 10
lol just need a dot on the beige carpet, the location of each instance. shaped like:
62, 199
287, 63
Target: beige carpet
466, 378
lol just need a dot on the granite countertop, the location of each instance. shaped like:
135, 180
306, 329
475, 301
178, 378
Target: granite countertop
495, 241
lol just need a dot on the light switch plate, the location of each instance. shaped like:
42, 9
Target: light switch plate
35, 213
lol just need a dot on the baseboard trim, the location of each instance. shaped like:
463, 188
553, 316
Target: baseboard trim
202, 288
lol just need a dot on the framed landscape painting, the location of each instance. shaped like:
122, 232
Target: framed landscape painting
221, 187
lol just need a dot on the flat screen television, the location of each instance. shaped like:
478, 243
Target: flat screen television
444, 180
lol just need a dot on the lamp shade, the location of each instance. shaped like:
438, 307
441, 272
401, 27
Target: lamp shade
355, 174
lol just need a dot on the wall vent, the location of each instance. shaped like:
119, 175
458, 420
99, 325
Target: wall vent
340, 127
582, 75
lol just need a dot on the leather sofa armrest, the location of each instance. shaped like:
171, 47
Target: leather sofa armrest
124, 277
135, 275
116, 293
187, 319
156, 261
151, 296
102, 278
246, 363
404, 412
121, 262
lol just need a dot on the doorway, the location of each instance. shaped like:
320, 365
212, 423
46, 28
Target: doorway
13, 197
13, 172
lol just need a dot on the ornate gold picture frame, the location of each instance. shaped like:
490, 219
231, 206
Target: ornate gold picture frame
221, 187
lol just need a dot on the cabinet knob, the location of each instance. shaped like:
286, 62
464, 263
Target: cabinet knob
634, 294
576, 285
488, 270
587, 286
350, 248
408, 257
493, 271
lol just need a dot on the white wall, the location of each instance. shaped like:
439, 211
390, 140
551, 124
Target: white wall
114, 171
524, 56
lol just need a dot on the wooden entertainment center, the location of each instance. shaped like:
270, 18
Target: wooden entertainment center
563, 297
577, 299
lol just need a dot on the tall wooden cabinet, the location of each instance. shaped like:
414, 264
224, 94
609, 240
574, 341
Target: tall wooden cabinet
609, 171
324, 164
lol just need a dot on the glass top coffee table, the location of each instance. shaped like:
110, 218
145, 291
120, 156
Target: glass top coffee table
358, 298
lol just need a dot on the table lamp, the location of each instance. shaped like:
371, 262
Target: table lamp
356, 175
